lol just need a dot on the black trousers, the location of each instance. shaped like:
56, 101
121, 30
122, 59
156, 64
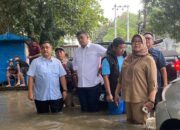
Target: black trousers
89, 98
53, 106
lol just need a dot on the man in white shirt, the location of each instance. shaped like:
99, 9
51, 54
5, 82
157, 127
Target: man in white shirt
86, 62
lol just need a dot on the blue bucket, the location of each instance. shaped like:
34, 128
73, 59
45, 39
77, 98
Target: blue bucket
116, 110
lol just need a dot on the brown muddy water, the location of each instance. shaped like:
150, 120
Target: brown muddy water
18, 113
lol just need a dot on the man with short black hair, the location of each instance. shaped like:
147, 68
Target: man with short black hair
34, 49
160, 63
70, 76
86, 62
44, 73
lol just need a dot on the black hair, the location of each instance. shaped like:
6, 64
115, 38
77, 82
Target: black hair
59, 49
44, 42
81, 32
117, 41
148, 33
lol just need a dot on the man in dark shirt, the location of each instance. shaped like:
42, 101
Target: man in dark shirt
34, 49
70, 76
160, 63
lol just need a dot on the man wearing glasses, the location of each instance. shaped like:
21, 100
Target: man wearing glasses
160, 63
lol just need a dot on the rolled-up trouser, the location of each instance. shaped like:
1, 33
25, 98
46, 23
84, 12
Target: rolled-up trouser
135, 114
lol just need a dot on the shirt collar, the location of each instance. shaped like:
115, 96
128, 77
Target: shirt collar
88, 45
45, 59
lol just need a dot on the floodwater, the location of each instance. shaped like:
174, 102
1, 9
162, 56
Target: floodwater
18, 113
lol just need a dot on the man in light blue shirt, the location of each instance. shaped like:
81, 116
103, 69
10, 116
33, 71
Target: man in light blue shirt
44, 74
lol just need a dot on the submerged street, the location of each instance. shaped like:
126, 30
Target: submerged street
18, 113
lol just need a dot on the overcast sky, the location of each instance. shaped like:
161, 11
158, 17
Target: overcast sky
107, 5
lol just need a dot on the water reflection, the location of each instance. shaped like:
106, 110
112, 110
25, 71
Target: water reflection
18, 113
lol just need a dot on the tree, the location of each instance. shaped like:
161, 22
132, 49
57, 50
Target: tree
49, 19
121, 27
164, 18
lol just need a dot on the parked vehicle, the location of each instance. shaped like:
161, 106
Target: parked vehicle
168, 110
172, 64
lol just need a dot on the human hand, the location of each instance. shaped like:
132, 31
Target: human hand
74, 90
29, 57
116, 99
109, 98
64, 95
149, 105
30, 96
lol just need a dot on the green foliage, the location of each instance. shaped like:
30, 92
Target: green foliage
164, 18
121, 27
50, 19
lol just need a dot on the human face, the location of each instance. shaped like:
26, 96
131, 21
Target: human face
137, 44
120, 49
46, 50
60, 54
34, 43
11, 63
149, 40
83, 40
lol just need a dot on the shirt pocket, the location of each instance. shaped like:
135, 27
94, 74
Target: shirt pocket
54, 70
42, 71
91, 56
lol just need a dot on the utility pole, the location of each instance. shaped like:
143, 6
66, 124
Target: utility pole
127, 23
115, 8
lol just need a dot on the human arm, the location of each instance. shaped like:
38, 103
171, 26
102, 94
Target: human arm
109, 96
151, 77
101, 50
31, 73
64, 86
106, 72
117, 91
75, 81
162, 67
35, 56
18, 66
30, 88
164, 76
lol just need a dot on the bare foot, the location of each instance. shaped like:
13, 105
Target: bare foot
23, 85
8, 85
17, 85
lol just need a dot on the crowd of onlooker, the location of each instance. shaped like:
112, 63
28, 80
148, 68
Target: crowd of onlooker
17, 68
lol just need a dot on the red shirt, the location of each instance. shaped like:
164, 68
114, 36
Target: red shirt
34, 49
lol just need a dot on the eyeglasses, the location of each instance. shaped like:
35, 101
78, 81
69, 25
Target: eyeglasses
148, 38
134, 42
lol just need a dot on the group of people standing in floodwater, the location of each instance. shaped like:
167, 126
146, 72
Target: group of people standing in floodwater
133, 78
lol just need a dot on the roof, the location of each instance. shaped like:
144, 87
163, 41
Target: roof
12, 37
